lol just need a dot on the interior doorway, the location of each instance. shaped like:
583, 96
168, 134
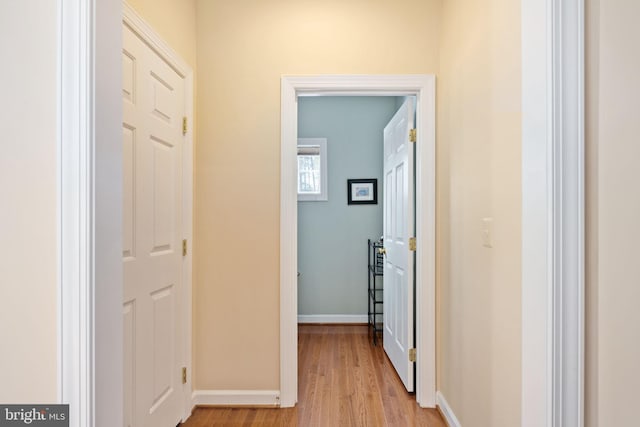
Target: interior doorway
423, 88
331, 231
356, 181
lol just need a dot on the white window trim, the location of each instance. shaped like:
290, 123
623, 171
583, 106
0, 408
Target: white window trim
324, 170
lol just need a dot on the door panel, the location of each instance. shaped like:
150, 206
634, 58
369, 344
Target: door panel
399, 224
128, 193
164, 205
129, 313
163, 323
153, 106
162, 98
128, 76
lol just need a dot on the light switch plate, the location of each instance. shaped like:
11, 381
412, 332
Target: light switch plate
487, 229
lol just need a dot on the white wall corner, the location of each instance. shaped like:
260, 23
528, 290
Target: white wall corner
248, 398
446, 411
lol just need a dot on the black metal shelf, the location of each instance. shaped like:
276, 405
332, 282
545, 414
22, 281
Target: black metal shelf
375, 286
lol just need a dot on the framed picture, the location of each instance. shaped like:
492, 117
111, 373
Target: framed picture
362, 191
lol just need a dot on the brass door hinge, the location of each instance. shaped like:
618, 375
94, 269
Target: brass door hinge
184, 375
184, 247
413, 135
412, 244
184, 125
412, 355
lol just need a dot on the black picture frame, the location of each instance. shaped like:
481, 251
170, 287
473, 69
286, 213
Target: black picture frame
362, 191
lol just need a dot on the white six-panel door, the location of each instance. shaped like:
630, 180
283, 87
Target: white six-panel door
153, 108
399, 225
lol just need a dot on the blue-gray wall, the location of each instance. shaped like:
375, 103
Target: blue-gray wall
332, 236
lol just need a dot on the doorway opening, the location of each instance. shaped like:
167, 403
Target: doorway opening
356, 180
423, 88
331, 231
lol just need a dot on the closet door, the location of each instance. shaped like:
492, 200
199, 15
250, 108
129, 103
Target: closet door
153, 101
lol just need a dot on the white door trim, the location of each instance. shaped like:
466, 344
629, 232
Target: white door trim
76, 214
89, 191
423, 87
89, 194
553, 213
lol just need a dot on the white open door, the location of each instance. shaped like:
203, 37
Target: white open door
399, 225
153, 107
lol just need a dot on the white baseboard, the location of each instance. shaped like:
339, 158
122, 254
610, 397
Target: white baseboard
236, 398
332, 318
446, 411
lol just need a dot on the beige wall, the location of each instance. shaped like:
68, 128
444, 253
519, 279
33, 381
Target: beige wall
175, 21
479, 144
243, 50
613, 281
28, 192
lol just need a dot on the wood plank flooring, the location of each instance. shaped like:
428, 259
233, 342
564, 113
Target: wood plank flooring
343, 381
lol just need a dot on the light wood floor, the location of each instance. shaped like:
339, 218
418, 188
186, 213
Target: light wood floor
343, 381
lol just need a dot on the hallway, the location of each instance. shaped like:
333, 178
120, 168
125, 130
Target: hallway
344, 381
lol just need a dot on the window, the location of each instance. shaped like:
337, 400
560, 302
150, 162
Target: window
312, 169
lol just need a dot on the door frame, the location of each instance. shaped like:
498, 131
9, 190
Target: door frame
89, 194
423, 87
553, 213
